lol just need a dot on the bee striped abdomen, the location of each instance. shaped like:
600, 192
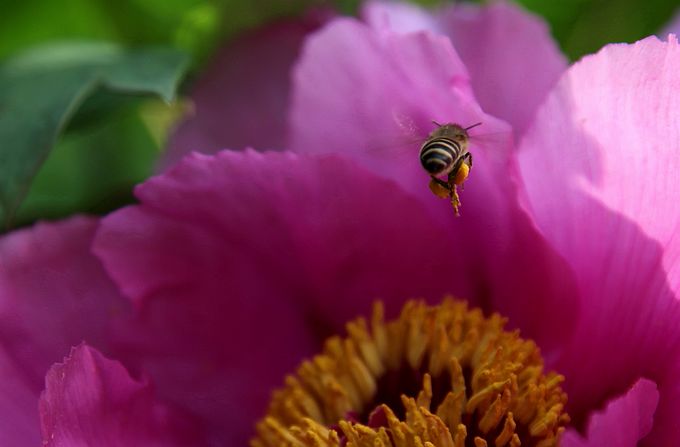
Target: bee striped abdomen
438, 155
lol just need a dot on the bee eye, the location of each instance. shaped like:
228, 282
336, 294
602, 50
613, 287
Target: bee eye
461, 174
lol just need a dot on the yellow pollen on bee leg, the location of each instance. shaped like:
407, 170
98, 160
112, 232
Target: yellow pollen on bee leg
437, 376
438, 189
455, 199
462, 174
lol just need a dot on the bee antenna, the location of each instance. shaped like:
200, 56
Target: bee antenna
474, 125
436, 123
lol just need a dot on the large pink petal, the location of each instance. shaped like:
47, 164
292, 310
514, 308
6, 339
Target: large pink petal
512, 59
402, 17
242, 97
623, 422
355, 90
242, 263
90, 400
600, 169
53, 294
18, 404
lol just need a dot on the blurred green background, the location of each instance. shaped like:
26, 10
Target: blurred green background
112, 143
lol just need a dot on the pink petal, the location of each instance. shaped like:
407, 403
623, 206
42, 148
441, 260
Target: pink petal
623, 422
402, 17
242, 97
512, 59
242, 263
53, 294
600, 169
18, 398
91, 400
355, 89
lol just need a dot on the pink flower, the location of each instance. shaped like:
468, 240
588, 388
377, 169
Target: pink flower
235, 266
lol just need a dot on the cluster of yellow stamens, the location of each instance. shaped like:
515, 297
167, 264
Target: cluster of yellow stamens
461, 379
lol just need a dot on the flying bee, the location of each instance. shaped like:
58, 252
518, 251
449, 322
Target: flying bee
445, 154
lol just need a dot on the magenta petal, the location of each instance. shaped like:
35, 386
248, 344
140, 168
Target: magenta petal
242, 263
600, 169
18, 398
53, 294
242, 97
512, 59
402, 17
91, 400
623, 422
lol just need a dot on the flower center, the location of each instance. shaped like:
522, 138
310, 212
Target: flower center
438, 376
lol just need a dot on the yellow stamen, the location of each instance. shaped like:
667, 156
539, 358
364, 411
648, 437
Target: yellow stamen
441, 376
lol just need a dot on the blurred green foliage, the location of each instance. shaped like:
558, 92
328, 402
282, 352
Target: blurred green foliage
93, 169
195, 26
42, 89
111, 142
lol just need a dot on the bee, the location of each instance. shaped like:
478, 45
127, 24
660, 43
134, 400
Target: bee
445, 154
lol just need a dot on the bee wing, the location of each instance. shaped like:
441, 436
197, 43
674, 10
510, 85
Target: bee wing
408, 137
393, 146
489, 138
407, 125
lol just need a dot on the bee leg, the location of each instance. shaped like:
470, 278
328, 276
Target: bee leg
440, 188
455, 200
453, 193
443, 189
468, 160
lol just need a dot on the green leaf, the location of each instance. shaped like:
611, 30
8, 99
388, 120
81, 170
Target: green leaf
29, 22
130, 22
41, 90
92, 169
